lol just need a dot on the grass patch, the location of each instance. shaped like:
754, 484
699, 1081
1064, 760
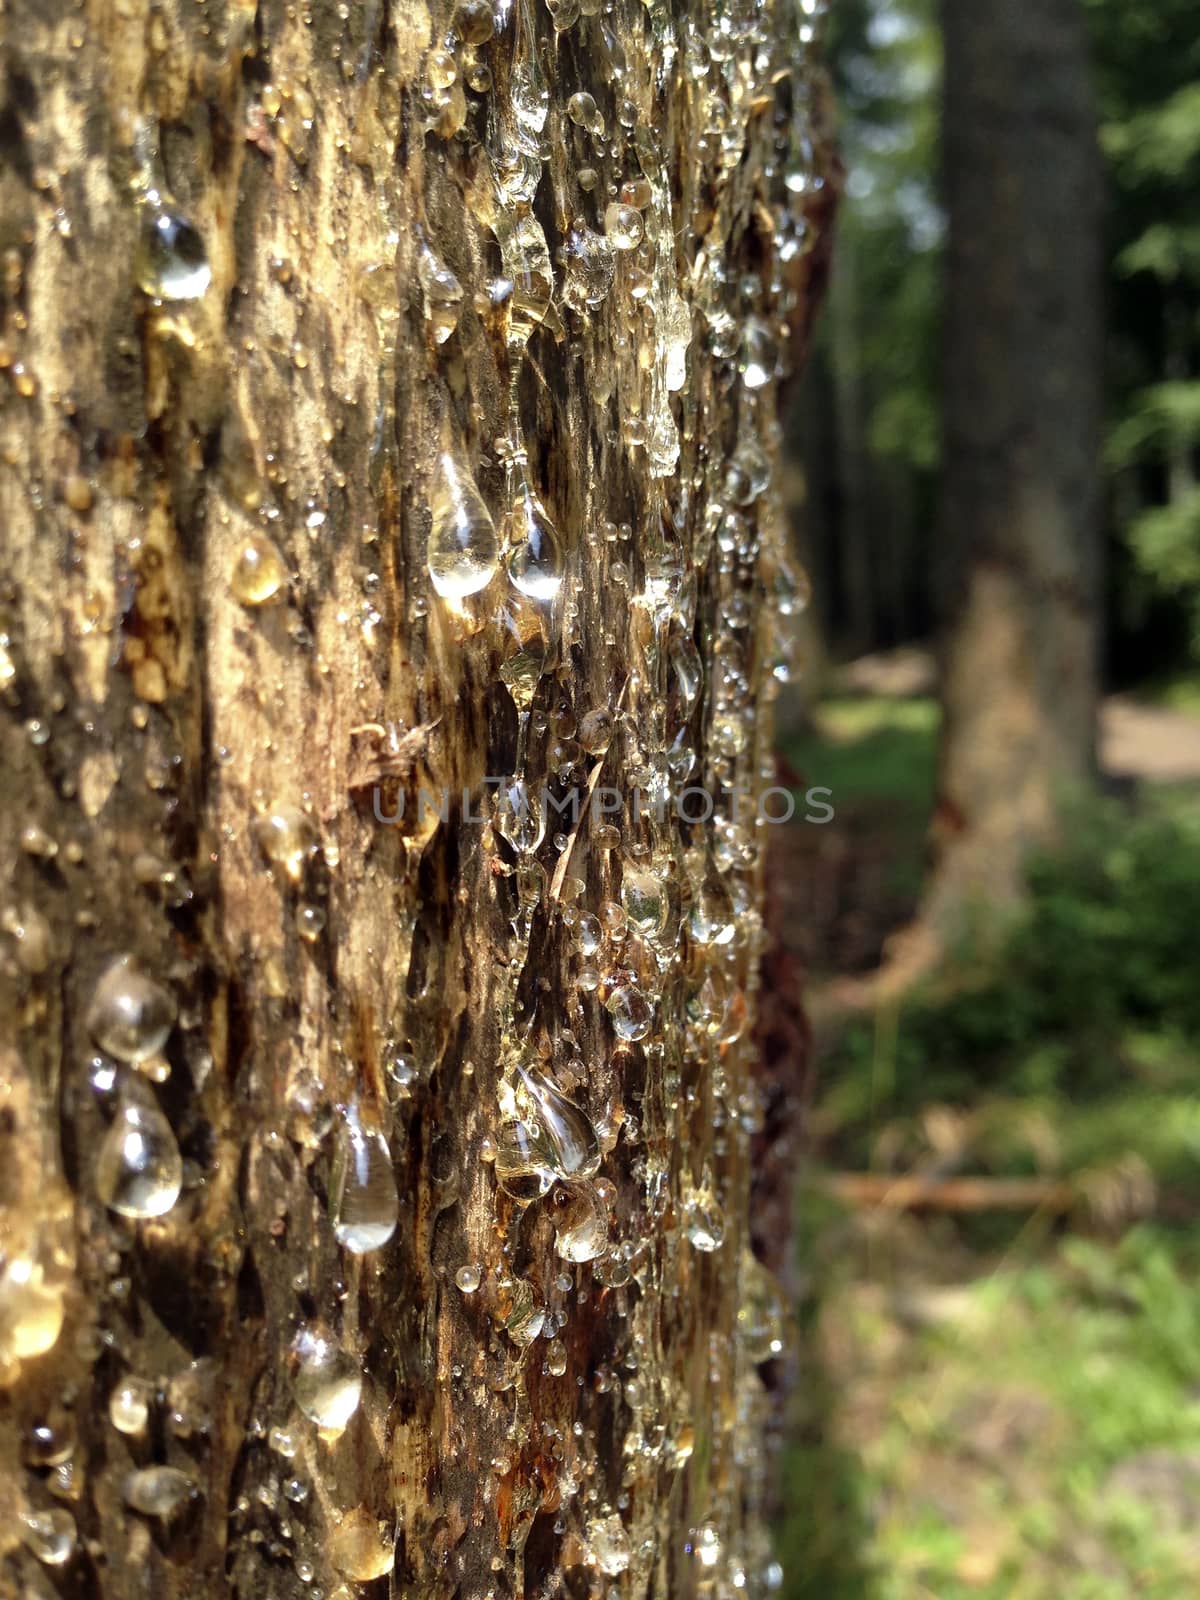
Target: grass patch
1028, 1430
868, 749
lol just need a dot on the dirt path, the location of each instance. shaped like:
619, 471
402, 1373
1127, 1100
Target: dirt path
1138, 741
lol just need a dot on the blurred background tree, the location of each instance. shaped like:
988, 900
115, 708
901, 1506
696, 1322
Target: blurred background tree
870, 412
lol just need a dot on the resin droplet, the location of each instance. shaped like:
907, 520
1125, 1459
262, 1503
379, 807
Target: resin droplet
609, 1545
588, 933
689, 675
581, 108
704, 1220
534, 561
361, 1548
129, 1406
159, 1492
760, 1311
172, 259
581, 1225
463, 553
632, 1013
468, 1278
443, 294
591, 267
50, 1535
363, 1204
706, 1542
139, 1171
475, 21
129, 1014
31, 1311
623, 225
596, 731
556, 1358
711, 920
645, 902
519, 817
524, 1162
574, 1148
328, 1382
259, 573
287, 838
523, 1318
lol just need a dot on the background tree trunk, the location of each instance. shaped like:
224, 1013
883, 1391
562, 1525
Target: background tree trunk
390, 403
1022, 398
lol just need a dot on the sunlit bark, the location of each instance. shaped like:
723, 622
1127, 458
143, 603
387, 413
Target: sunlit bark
389, 406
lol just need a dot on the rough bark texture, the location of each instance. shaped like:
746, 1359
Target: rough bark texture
1022, 392
298, 305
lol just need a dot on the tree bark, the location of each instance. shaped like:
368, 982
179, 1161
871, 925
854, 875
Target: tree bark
1022, 387
389, 406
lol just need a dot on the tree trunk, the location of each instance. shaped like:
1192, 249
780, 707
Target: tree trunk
1020, 510
390, 406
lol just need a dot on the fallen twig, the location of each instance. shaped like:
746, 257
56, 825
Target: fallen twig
912, 1192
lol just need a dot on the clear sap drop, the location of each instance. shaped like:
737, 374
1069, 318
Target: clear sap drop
525, 257
158, 1491
712, 918
463, 553
363, 1203
50, 1535
609, 1544
360, 1547
139, 1171
524, 1162
704, 1219
129, 1405
523, 1318
31, 1310
623, 225
760, 1311
535, 560
645, 901
129, 1015
591, 267
689, 675
631, 1012
288, 839
443, 294
572, 1143
520, 818
328, 1382
581, 1224
172, 258
588, 933
259, 571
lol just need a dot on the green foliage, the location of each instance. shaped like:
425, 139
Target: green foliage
1166, 542
886, 63
870, 749
1162, 142
1147, 56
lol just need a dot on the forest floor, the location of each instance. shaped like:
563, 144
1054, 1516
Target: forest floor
1001, 1402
